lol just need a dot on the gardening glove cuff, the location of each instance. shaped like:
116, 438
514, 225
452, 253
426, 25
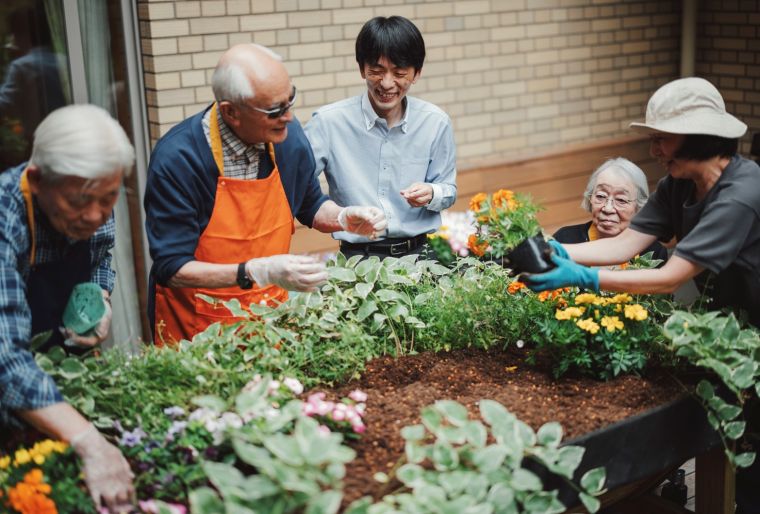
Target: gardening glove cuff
106, 471
292, 272
364, 221
558, 249
567, 273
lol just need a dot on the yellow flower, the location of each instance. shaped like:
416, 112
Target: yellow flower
22, 457
612, 323
588, 324
569, 313
477, 201
585, 298
5, 462
621, 298
636, 312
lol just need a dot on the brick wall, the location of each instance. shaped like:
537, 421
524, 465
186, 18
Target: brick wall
518, 77
728, 55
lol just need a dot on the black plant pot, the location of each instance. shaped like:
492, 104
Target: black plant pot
533, 255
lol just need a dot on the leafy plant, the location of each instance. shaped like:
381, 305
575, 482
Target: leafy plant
455, 464
599, 335
504, 220
717, 343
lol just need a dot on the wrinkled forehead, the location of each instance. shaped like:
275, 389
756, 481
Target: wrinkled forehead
613, 179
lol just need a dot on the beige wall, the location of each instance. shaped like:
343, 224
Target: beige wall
518, 77
728, 55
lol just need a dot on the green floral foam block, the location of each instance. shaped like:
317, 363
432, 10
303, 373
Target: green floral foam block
85, 308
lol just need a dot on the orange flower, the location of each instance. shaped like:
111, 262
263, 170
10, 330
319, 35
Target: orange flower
29, 496
477, 249
477, 201
504, 199
515, 286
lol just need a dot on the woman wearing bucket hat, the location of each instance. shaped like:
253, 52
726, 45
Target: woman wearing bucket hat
709, 201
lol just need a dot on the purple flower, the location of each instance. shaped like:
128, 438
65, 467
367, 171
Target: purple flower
133, 438
174, 412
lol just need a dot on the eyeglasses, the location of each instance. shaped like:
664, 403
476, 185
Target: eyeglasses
278, 112
618, 202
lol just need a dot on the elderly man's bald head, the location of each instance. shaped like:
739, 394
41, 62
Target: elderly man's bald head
243, 69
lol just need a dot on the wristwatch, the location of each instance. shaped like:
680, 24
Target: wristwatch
242, 277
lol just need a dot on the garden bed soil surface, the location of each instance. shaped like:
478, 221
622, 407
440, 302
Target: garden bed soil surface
399, 388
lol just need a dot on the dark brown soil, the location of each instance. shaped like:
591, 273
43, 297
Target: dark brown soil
399, 388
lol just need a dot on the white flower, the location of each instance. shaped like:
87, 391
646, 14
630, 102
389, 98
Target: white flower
294, 385
358, 396
520, 343
210, 357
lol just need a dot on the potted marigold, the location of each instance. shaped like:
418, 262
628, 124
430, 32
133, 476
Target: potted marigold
508, 232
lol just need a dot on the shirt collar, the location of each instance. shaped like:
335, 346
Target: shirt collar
371, 117
233, 145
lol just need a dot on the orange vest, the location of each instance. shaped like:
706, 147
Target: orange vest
251, 218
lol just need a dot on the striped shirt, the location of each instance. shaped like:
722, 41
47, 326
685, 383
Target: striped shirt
23, 385
241, 160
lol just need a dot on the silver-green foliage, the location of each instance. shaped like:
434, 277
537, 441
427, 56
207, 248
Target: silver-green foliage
718, 343
456, 465
282, 463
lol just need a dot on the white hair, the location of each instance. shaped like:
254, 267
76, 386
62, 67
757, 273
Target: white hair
82, 141
623, 167
230, 80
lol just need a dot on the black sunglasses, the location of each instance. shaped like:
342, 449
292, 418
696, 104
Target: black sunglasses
280, 111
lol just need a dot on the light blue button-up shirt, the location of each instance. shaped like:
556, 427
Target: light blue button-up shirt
368, 164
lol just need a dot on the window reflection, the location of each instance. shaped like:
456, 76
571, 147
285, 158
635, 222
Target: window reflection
34, 72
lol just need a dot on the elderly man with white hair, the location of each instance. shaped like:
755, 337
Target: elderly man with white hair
56, 231
223, 189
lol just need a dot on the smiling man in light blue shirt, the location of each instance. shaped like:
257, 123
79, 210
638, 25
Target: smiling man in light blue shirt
386, 149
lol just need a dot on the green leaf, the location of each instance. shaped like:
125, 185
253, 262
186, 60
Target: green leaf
437, 269
494, 413
543, 503
223, 475
431, 418
454, 412
489, 458
591, 503
593, 480
341, 274
326, 502
734, 429
422, 298
362, 289
476, 433
413, 432
414, 452
705, 390
209, 401
259, 486
366, 310
409, 474
524, 480
360, 506
757, 388
744, 460
285, 448
744, 375
71, 368
570, 457
353, 261
444, 456
39, 339
501, 495
390, 296
550, 434
235, 308
205, 501
397, 311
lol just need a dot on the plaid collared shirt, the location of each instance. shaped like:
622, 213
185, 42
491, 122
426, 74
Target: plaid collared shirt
23, 385
240, 160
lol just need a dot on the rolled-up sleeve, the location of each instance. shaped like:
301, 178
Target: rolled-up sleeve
442, 171
23, 385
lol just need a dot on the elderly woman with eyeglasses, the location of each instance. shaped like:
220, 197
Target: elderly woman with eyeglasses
614, 193
709, 201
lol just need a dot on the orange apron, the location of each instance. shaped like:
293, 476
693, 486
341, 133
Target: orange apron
251, 218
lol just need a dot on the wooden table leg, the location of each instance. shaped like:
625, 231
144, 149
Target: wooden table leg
715, 483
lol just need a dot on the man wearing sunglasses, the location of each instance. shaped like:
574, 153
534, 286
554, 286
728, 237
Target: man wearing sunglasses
223, 189
387, 149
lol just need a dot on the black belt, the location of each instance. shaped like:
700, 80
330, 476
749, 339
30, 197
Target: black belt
391, 246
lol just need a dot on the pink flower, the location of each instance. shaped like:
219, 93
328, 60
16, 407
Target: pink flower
152, 507
359, 428
323, 431
358, 396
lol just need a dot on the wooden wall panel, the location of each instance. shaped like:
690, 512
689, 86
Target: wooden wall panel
556, 180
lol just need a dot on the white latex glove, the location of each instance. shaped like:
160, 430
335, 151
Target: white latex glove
106, 471
293, 272
100, 332
365, 221
418, 194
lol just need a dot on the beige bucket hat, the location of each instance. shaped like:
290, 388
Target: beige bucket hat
689, 106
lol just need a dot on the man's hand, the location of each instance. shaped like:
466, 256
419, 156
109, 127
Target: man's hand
99, 333
106, 471
293, 272
567, 273
365, 221
418, 194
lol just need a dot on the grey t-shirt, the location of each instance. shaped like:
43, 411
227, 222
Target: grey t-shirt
721, 232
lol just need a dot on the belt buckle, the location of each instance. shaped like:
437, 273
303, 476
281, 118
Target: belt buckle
398, 249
